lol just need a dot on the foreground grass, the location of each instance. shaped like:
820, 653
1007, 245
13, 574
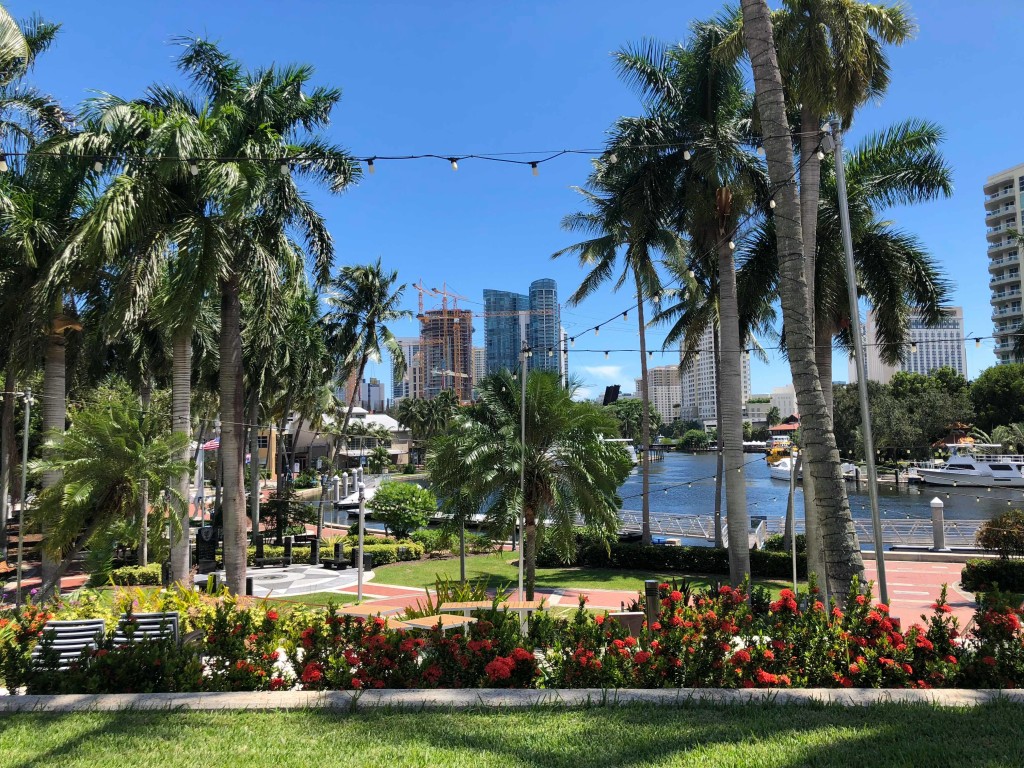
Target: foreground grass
499, 570
315, 598
755, 735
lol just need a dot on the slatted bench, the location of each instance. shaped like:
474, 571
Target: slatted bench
136, 627
261, 560
69, 640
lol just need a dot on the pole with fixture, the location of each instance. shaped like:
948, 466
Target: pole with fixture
858, 349
522, 464
362, 521
24, 484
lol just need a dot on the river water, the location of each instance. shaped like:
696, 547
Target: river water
766, 496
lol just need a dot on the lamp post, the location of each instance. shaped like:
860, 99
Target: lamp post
325, 481
24, 483
522, 464
858, 349
362, 513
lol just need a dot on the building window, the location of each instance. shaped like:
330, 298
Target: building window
262, 441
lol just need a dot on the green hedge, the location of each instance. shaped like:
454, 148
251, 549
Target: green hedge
136, 575
980, 575
384, 554
299, 554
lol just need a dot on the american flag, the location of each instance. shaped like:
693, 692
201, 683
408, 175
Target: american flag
212, 445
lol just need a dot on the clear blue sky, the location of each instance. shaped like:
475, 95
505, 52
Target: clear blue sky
464, 77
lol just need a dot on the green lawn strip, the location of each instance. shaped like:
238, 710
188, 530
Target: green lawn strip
499, 570
635, 736
315, 598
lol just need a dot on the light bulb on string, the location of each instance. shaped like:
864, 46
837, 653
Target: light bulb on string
650, 354
606, 354
284, 168
551, 352
3, 164
771, 203
597, 330
760, 150
534, 169
98, 166
913, 347
977, 499
613, 158
732, 246
686, 154
572, 341
977, 343
370, 167
625, 315
692, 274
455, 163
821, 153
689, 485
193, 168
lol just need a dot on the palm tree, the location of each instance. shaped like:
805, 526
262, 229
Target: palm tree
364, 300
841, 549
101, 463
569, 469
698, 101
626, 218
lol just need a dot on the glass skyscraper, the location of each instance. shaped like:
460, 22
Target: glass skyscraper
511, 317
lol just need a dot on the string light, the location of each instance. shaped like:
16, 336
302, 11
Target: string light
535, 169
551, 352
572, 341
821, 153
625, 315
977, 343
686, 154
771, 203
193, 168
370, 167
613, 158
760, 150
597, 330
913, 347
650, 354
98, 166
732, 246
606, 354
284, 169
3, 164
454, 162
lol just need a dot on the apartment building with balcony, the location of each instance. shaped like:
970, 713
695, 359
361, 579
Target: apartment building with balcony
1004, 193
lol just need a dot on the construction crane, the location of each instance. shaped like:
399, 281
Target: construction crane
454, 360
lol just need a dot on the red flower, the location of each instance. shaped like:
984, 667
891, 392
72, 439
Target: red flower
740, 657
521, 654
631, 641
819, 606
313, 673
675, 596
357, 683
766, 678
861, 599
908, 669
989, 660
656, 626
499, 669
951, 659
276, 683
599, 620
272, 614
854, 669
769, 655
641, 657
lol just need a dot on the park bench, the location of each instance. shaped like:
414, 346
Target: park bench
338, 562
68, 639
135, 627
261, 560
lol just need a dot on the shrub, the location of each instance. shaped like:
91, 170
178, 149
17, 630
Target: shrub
136, 575
435, 542
385, 554
409, 469
300, 555
479, 543
1004, 534
774, 543
981, 575
402, 507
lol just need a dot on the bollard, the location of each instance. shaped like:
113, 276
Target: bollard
938, 529
248, 586
335, 489
213, 584
260, 551
314, 552
339, 552
289, 542
344, 485
653, 600
165, 574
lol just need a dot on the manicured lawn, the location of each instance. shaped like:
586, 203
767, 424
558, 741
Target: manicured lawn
693, 735
499, 570
316, 598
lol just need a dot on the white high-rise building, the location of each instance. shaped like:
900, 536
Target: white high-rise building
1004, 201
663, 391
928, 348
410, 384
784, 398
699, 398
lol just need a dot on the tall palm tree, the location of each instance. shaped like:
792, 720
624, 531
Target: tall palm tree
102, 462
841, 549
626, 218
363, 301
698, 101
569, 469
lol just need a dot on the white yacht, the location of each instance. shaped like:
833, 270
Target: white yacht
782, 469
969, 468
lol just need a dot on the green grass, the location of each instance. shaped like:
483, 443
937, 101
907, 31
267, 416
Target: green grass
316, 598
499, 570
637, 736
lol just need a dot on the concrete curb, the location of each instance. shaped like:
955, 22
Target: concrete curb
495, 699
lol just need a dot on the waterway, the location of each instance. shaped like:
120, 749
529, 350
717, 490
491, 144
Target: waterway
685, 484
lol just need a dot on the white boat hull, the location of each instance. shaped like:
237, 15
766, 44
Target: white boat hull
968, 479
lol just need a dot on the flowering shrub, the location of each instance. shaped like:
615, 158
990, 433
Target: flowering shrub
712, 639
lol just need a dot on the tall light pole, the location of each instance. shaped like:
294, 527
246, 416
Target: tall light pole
522, 463
858, 349
362, 520
24, 484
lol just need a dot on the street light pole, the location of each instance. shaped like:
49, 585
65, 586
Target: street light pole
858, 348
362, 519
522, 465
24, 484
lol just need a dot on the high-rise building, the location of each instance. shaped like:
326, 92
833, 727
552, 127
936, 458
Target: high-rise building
505, 319
1004, 201
784, 398
411, 383
371, 395
663, 391
928, 347
479, 364
446, 352
544, 325
699, 399
511, 318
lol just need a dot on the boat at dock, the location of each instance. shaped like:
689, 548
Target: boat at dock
782, 469
967, 467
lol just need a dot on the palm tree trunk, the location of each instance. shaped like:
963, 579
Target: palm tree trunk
823, 359
730, 409
645, 418
842, 553
718, 442
54, 414
232, 403
181, 422
145, 396
529, 552
51, 583
6, 452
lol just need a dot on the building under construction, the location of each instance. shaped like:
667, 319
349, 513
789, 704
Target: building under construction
446, 352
